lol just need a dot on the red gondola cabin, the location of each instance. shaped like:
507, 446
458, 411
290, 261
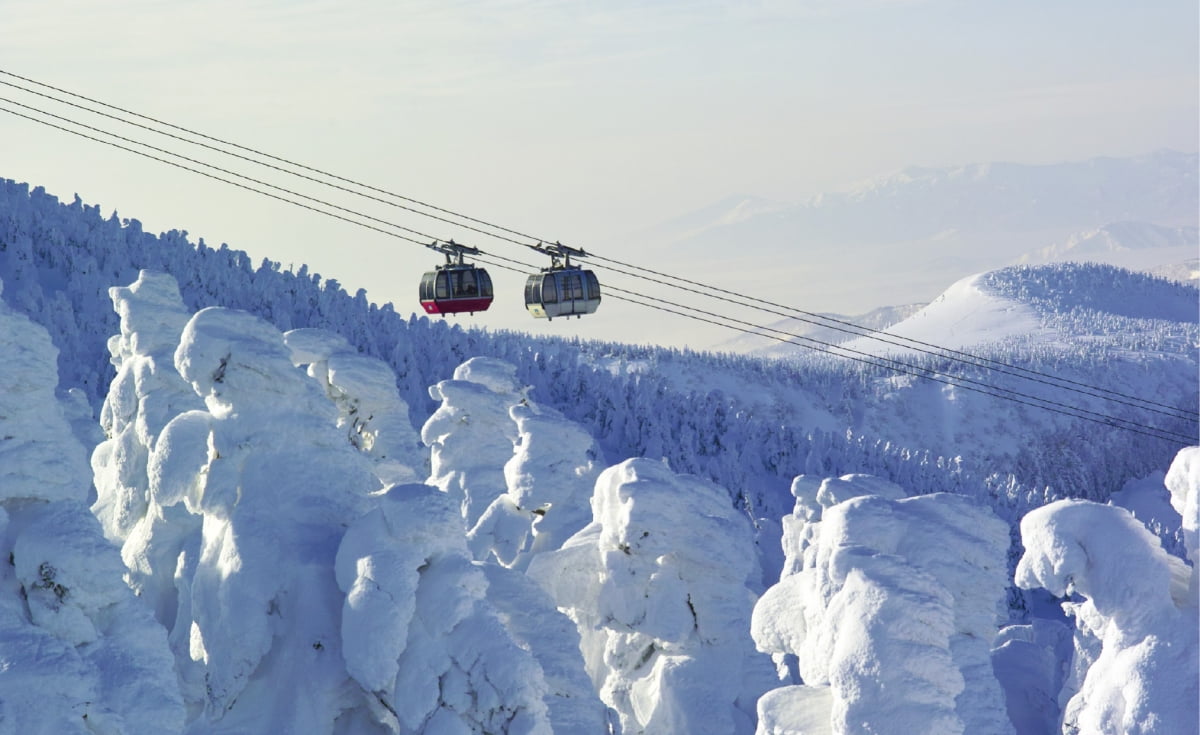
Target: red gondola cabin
454, 289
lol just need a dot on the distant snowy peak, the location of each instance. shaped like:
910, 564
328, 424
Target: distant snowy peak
737, 208
1042, 303
1135, 245
1097, 178
1132, 236
1187, 272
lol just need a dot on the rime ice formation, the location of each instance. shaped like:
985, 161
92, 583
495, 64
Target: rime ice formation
298, 598
549, 479
889, 607
370, 409
145, 395
1135, 666
657, 584
78, 653
274, 484
531, 619
471, 435
421, 635
1183, 482
552, 473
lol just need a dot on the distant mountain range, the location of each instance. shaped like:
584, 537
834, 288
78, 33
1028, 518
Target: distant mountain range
1137, 245
900, 238
923, 203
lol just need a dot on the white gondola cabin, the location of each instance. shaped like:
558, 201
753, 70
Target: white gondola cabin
562, 289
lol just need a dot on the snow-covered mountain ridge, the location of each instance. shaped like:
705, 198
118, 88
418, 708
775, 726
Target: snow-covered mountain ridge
1058, 304
1123, 244
245, 473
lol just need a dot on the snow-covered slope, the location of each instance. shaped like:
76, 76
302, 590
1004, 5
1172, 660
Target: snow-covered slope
967, 315
1041, 305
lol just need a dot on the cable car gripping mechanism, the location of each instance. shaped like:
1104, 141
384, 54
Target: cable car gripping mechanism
452, 249
557, 251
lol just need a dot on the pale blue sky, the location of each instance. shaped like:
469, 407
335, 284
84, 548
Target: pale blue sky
584, 121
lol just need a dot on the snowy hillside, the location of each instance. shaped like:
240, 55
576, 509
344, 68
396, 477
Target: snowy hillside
1048, 305
967, 315
308, 513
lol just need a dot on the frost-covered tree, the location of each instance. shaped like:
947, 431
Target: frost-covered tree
1135, 667
274, 609
889, 605
78, 653
1183, 482
274, 484
658, 585
422, 635
471, 434
146, 394
549, 478
373, 415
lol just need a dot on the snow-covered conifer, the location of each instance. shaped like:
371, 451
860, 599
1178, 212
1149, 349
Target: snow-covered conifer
370, 409
1135, 667
78, 653
889, 602
549, 479
471, 434
658, 585
275, 484
420, 633
1183, 482
145, 395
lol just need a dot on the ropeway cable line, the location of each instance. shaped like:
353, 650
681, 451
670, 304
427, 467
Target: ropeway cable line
690, 312
672, 281
886, 363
